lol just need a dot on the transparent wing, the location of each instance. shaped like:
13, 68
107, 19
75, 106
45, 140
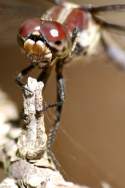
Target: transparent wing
111, 20
113, 41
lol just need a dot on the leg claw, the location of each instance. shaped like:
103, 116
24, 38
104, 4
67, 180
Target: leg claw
25, 89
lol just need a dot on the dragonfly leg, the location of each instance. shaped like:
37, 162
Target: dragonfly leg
22, 74
59, 106
44, 75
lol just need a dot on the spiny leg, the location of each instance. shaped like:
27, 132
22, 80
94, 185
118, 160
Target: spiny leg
24, 73
44, 75
18, 79
59, 106
52, 134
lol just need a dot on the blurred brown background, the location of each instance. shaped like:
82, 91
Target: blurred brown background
90, 142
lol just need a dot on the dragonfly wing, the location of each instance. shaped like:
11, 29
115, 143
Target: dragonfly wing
106, 8
113, 50
111, 21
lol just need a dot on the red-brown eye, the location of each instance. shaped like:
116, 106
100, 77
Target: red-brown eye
29, 26
52, 31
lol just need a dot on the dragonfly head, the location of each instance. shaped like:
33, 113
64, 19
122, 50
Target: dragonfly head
43, 40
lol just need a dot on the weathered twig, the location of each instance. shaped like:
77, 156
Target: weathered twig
32, 143
33, 167
29, 163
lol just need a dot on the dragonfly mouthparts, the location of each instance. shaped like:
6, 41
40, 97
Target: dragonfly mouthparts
37, 51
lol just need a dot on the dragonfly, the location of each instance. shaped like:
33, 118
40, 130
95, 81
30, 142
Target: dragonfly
65, 31
15, 11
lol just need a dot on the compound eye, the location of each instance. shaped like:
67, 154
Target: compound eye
28, 27
53, 31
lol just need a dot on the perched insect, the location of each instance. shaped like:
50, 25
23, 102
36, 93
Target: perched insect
65, 31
